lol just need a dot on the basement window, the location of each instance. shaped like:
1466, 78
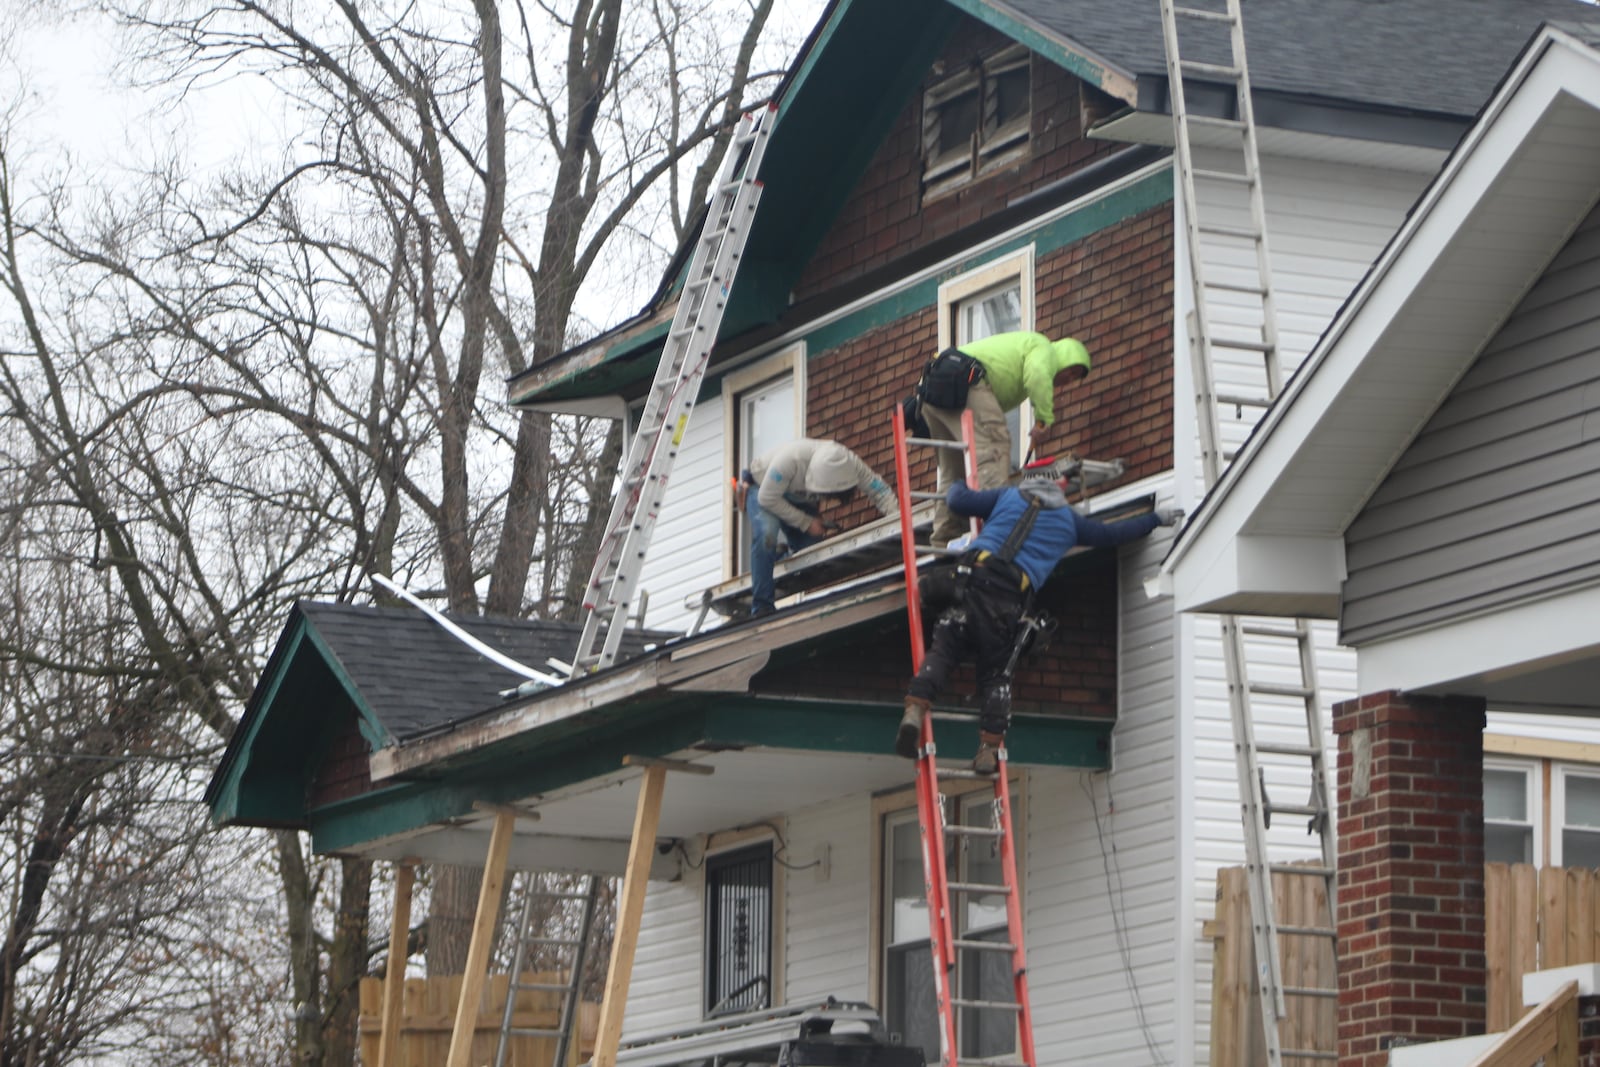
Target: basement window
977, 121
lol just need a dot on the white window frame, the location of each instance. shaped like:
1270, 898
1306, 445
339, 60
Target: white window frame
732, 841
993, 146
1018, 266
894, 804
1558, 805
790, 360
1533, 791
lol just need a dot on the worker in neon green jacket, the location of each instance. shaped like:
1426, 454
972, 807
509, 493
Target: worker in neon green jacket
1015, 366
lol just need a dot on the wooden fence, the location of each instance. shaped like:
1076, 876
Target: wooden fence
428, 1011
1534, 919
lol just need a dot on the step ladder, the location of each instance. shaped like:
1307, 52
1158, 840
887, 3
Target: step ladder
1233, 337
571, 952
937, 830
613, 583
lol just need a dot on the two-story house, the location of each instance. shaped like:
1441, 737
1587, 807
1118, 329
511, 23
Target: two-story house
940, 170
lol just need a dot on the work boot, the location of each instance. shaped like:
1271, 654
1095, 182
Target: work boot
987, 759
910, 733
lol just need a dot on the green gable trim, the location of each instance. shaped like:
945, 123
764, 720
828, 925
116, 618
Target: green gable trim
225, 808
522, 770
372, 730
1052, 48
1150, 191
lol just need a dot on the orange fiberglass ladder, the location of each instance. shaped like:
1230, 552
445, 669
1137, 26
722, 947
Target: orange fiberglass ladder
937, 830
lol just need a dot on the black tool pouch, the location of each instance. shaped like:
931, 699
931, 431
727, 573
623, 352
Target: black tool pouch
947, 378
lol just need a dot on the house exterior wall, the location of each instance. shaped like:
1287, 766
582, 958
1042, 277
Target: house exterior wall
886, 215
1494, 502
685, 551
1326, 225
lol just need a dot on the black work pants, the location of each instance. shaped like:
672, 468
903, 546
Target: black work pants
982, 625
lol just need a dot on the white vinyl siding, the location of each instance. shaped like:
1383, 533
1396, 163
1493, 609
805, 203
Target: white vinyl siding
829, 912
680, 562
1326, 224
670, 947
1083, 988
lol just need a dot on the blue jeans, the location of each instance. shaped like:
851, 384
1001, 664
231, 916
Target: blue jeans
765, 550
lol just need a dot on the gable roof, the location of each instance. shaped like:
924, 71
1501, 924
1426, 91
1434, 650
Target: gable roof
1268, 539
1408, 74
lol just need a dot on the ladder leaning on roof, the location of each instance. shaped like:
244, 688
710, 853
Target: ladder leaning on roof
939, 833
1251, 299
648, 468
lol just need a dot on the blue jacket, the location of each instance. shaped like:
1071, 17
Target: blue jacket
1056, 529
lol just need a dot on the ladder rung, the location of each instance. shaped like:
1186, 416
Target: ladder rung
1243, 233
558, 987
1309, 991
1308, 931
932, 442
1262, 630
1272, 689
559, 894
1241, 345
525, 1031
1208, 16
985, 946
1194, 66
551, 941
1239, 401
1297, 809
977, 887
1307, 751
1217, 123
1225, 176
962, 830
1235, 287
991, 1005
957, 774
1300, 868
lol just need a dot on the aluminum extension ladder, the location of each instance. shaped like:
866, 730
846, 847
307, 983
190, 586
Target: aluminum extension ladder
937, 829
1228, 308
573, 953
613, 582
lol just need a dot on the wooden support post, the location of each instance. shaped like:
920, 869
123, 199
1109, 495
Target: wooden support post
630, 908
394, 977
477, 969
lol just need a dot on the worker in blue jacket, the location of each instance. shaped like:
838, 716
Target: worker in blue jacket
1026, 532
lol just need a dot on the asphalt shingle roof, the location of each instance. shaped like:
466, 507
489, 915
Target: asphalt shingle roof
416, 677
1442, 56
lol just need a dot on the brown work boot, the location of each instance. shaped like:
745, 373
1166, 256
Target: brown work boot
909, 737
987, 759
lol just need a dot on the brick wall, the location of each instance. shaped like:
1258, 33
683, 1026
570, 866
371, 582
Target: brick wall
887, 216
1076, 675
1410, 893
1112, 290
343, 770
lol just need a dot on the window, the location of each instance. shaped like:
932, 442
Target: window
764, 406
1508, 807
996, 298
907, 966
739, 930
1577, 814
976, 121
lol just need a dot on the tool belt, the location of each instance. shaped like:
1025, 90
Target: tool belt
1003, 569
947, 378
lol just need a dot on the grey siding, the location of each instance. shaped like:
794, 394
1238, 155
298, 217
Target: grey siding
1498, 498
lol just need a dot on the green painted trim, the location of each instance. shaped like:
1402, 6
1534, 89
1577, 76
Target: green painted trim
1148, 192
525, 767
372, 729
225, 808
809, 64
1052, 48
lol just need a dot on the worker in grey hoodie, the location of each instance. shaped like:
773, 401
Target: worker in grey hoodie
791, 483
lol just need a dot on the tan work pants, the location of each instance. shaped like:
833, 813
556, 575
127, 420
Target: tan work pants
992, 441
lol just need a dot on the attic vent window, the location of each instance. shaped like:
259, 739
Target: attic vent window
977, 121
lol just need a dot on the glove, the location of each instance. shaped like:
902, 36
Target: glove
1167, 515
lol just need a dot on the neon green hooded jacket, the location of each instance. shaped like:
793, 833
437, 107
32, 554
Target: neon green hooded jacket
1024, 365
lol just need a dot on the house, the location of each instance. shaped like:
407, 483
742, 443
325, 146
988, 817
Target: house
1431, 479
1003, 166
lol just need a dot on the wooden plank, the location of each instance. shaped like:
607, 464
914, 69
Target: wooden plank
477, 966
1552, 910
1226, 1000
630, 910
1525, 932
395, 973
1497, 946
1535, 1035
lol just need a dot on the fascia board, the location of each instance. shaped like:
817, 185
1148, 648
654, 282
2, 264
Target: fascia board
1290, 426
1251, 573
1504, 641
